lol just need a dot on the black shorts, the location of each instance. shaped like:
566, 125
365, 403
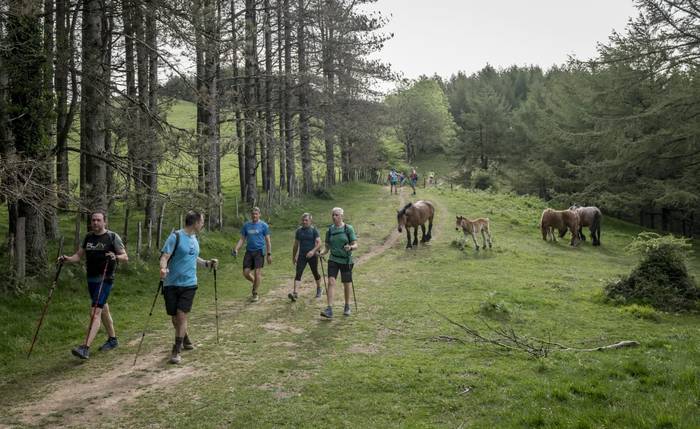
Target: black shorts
253, 259
301, 264
345, 271
178, 298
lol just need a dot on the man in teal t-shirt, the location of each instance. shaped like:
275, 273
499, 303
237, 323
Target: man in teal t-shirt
340, 242
179, 275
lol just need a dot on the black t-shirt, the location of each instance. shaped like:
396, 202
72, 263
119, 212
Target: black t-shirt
96, 247
307, 239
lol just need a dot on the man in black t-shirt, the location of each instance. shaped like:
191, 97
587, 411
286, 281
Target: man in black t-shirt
102, 250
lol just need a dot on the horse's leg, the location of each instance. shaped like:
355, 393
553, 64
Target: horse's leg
430, 229
545, 232
408, 237
415, 235
580, 233
483, 239
488, 233
476, 244
422, 230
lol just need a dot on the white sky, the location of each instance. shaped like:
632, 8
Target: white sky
447, 36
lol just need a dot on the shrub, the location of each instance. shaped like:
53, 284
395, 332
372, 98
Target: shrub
482, 179
661, 279
494, 310
641, 312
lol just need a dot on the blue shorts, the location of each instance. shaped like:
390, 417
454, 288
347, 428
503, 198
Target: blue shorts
94, 287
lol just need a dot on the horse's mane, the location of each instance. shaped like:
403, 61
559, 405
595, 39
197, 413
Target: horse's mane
403, 210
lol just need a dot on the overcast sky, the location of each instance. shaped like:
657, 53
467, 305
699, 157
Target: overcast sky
446, 36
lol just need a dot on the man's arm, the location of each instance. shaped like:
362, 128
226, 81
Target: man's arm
164, 265
268, 246
76, 257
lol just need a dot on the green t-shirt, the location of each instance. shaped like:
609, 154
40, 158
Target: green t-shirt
336, 238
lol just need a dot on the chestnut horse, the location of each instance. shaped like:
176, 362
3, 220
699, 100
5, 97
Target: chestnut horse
473, 227
591, 217
560, 220
414, 215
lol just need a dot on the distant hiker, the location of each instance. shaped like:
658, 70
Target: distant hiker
431, 178
413, 177
402, 179
393, 181
102, 249
307, 241
180, 277
340, 242
256, 234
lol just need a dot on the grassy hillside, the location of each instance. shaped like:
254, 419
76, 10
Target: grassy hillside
394, 362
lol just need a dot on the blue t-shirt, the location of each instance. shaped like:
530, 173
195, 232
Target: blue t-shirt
183, 265
254, 234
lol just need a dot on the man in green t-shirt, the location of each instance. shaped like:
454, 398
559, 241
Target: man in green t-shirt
340, 242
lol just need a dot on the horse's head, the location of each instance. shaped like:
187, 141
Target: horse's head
574, 207
458, 223
401, 217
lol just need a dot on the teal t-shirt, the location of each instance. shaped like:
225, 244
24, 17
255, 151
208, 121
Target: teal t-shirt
182, 270
336, 238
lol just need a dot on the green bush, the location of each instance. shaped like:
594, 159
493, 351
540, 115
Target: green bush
641, 312
661, 279
482, 179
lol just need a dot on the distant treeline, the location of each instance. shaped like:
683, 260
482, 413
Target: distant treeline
620, 131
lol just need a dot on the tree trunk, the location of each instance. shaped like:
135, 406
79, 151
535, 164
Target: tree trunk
152, 144
248, 100
211, 127
270, 141
237, 102
63, 55
51, 218
288, 136
304, 138
280, 95
24, 62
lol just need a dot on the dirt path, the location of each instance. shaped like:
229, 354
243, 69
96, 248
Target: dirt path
82, 401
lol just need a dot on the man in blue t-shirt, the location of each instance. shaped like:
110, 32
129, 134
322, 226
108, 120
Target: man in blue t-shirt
256, 234
178, 270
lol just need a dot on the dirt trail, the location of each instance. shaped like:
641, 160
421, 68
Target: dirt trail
82, 401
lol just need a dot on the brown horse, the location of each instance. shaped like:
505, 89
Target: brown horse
561, 220
414, 215
473, 227
591, 217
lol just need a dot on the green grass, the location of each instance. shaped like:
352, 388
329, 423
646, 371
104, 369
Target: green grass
386, 366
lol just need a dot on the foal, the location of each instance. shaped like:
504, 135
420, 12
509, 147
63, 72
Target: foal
473, 227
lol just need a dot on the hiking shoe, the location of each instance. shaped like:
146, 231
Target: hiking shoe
175, 356
318, 292
255, 298
346, 310
110, 344
293, 296
327, 313
187, 343
83, 352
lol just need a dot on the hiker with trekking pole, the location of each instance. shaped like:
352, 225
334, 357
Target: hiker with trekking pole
179, 276
307, 241
103, 250
340, 243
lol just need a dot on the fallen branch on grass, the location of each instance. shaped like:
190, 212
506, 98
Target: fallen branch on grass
505, 337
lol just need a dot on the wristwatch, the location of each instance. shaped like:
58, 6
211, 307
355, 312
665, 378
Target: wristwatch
269, 253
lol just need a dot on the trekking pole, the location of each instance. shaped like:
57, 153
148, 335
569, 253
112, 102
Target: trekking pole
155, 298
216, 306
97, 302
352, 283
59, 265
324, 275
